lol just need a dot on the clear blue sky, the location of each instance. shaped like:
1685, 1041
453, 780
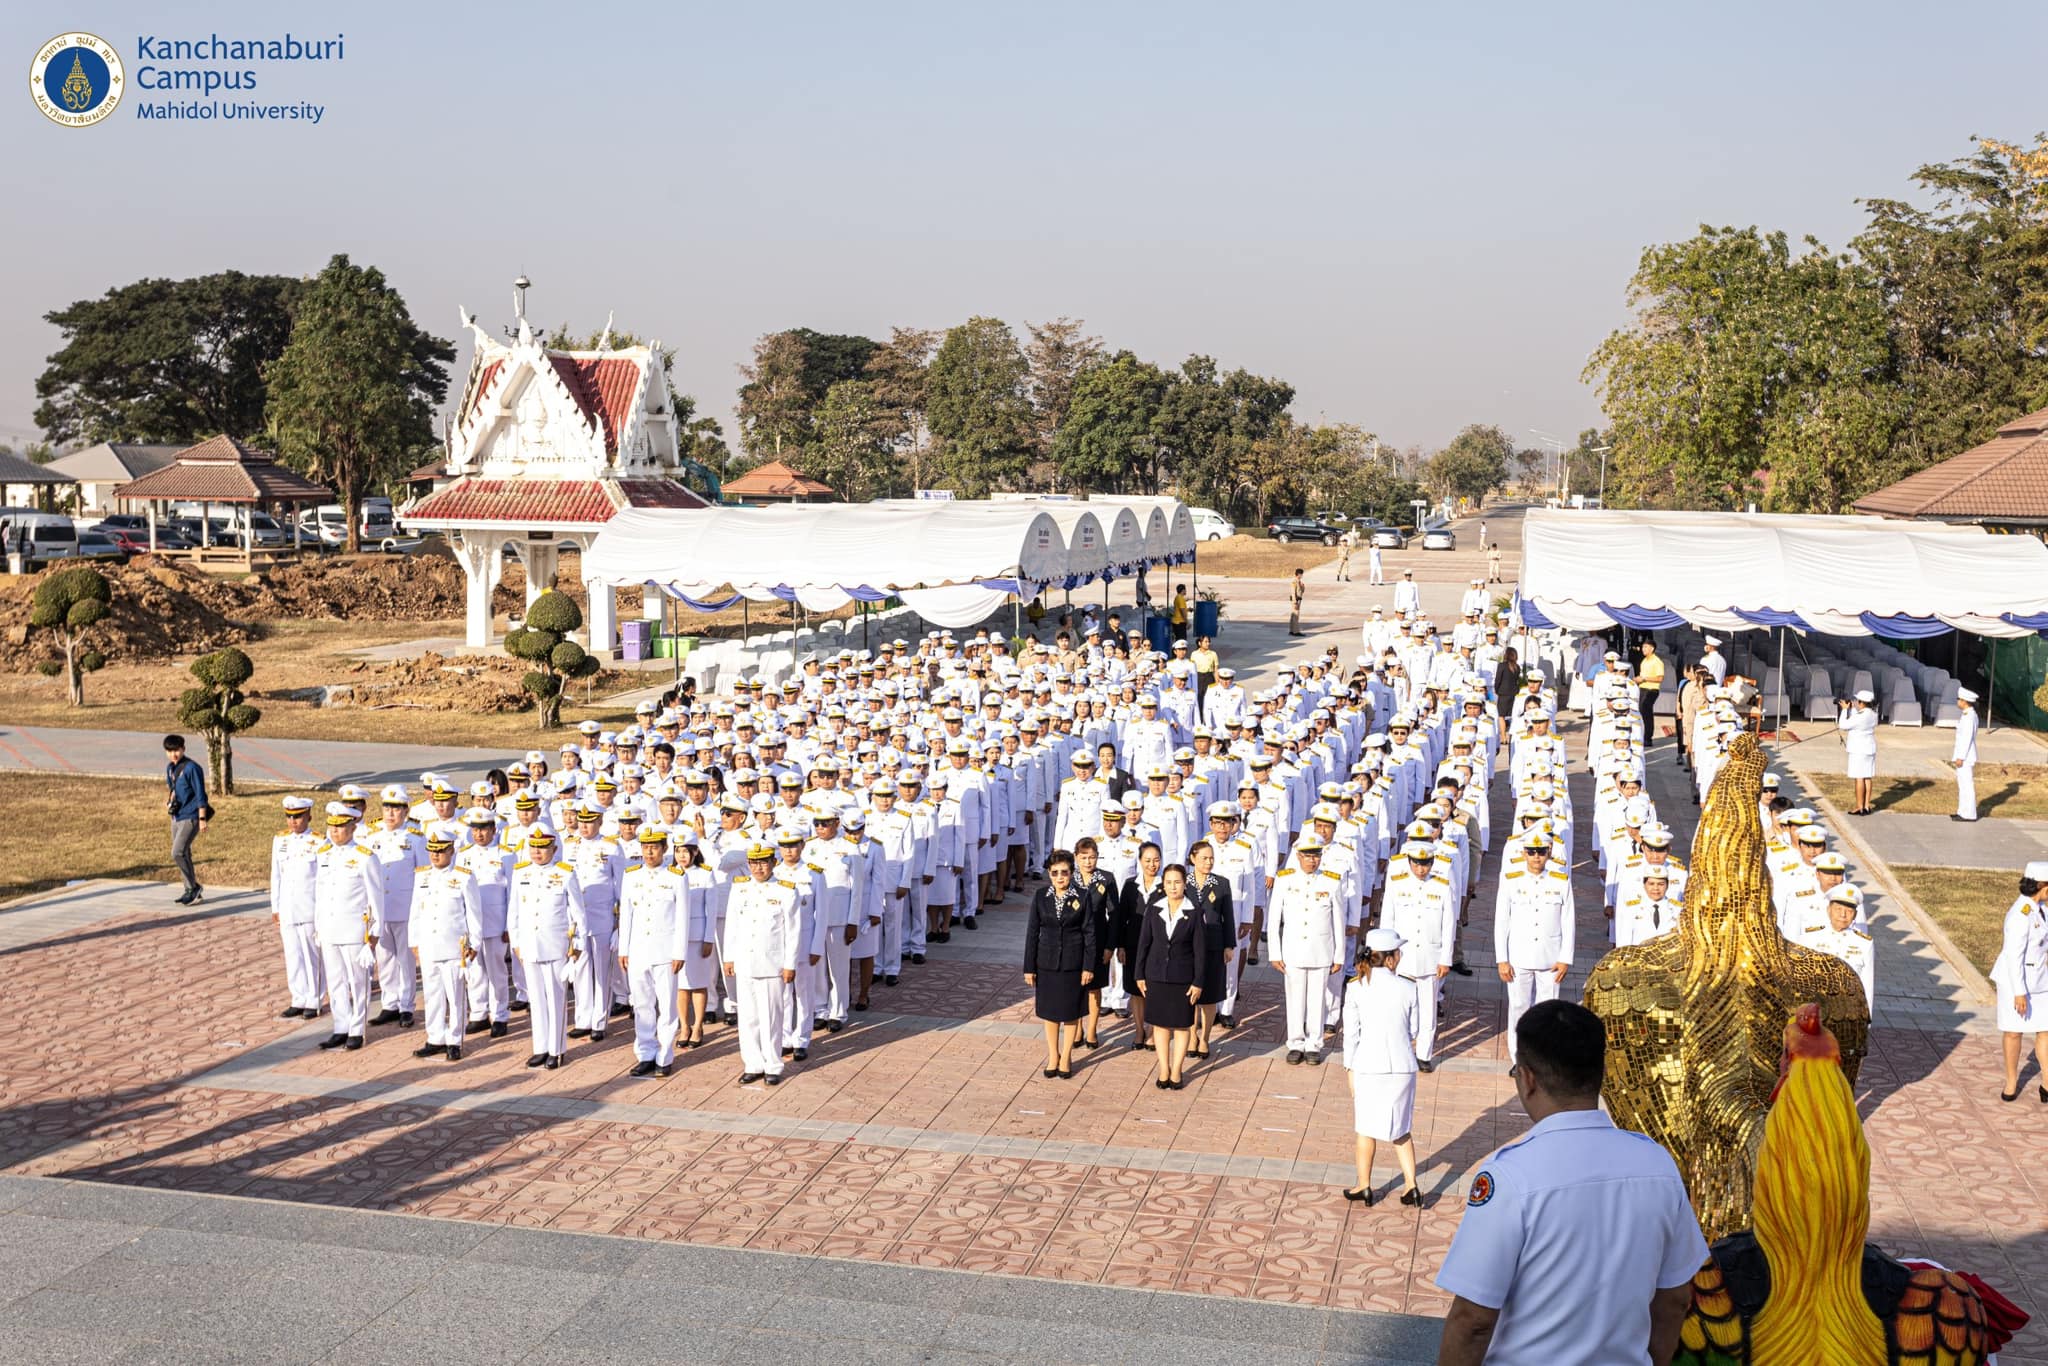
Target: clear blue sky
1422, 215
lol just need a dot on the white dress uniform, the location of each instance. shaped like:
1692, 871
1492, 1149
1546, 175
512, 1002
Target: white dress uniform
348, 907
489, 984
1533, 919
599, 865
1570, 1233
293, 869
703, 899
400, 853
653, 938
546, 925
1640, 917
1422, 911
841, 886
1382, 1017
1859, 739
1305, 927
447, 917
2022, 969
806, 996
763, 940
1852, 946
1963, 754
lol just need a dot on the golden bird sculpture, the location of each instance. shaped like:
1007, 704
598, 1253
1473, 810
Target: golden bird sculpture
1695, 1018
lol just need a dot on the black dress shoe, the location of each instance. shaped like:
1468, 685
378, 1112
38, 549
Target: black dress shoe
499, 1029
1177, 1084
1425, 1066
834, 1026
554, 1061
384, 1017
969, 921
916, 958
454, 1052
355, 1041
860, 1005
888, 981
749, 1078
732, 1017
579, 1033
1294, 1055
337, 1040
1413, 1197
1091, 1043
1363, 1195
537, 1060
1051, 1072
429, 1050
405, 1019
1314, 1059
773, 1079
597, 1036
801, 1055
479, 1027
1227, 1021
519, 1007
288, 1013
665, 1070
644, 1068
620, 1008
1159, 1082
1066, 1074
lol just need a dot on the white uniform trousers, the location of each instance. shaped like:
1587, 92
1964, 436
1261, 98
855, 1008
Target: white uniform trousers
1114, 997
889, 952
490, 983
445, 1001
721, 989
1308, 992
914, 921
1530, 986
800, 1004
548, 1009
302, 966
1333, 994
348, 987
594, 972
1428, 991
518, 970
1966, 792
395, 966
764, 1009
1233, 969
655, 1022
969, 900
838, 998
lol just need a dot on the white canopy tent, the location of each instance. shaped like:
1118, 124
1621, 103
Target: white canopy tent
1726, 571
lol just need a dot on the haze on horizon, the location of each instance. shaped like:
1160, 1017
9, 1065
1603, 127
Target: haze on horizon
1421, 217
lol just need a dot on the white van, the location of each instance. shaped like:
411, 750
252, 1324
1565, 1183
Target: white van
38, 537
1210, 525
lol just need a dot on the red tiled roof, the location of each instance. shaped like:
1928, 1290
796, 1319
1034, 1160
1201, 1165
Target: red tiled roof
775, 480
482, 386
221, 469
2005, 479
544, 502
603, 387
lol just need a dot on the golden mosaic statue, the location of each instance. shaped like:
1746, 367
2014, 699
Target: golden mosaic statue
1696, 1019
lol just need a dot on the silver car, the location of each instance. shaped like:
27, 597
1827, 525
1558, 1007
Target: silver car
1439, 538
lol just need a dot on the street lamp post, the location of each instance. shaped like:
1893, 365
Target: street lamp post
1602, 451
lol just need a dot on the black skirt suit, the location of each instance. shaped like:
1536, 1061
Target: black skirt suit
1128, 919
1059, 944
1169, 962
1104, 902
1219, 932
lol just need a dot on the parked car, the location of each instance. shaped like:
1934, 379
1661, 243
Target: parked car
1210, 525
94, 544
1290, 529
1389, 538
123, 521
39, 537
1439, 538
328, 524
136, 542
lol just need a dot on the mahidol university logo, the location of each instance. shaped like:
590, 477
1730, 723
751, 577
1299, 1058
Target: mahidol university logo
76, 79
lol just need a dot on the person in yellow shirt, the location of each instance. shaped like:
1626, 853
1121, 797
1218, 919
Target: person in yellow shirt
1205, 661
1650, 682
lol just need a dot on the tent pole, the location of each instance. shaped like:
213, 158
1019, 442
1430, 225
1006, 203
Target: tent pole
669, 624
746, 621
1781, 677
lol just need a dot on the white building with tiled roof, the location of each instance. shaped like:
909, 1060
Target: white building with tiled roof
548, 445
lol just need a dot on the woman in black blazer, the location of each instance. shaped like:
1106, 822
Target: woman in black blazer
1060, 958
1211, 895
1140, 895
1101, 895
1170, 952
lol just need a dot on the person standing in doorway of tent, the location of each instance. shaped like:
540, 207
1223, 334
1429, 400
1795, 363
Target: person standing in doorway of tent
1296, 591
1857, 721
1963, 758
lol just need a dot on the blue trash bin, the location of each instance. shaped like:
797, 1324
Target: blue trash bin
1159, 631
1208, 615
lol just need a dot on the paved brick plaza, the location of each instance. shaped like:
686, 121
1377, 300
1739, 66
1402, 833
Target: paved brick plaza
145, 1050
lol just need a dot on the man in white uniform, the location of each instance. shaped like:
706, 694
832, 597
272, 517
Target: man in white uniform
400, 852
1407, 595
653, 939
1419, 906
545, 922
348, 915
447, 924
292, 871
490, 863
1841, 936
1963, 757
763, 939
1532, 932
1578, 1243
1305, 924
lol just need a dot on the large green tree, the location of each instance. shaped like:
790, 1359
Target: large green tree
978, 404
1059, 353
353, 396
172, 361
852, 450
1473, 465
896, 375
1220, 431
1110, 440
791, 373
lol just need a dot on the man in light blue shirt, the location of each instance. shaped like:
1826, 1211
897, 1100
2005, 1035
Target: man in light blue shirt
1578, 1243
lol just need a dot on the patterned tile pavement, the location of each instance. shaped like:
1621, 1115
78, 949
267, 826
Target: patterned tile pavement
144, 1050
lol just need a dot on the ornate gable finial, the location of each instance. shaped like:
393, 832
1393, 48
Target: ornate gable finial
519, 288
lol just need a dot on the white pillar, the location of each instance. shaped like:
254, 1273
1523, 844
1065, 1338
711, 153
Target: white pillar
478, 554
602, 619
539, 559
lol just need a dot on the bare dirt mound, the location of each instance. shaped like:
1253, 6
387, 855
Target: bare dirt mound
158, 612
472, 683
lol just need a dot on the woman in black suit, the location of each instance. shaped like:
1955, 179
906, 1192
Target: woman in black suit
1100, 894
1141, 895
1211, 895
1170, 946
1060, 957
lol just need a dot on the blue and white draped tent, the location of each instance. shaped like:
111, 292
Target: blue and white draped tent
1729, 572
952, 562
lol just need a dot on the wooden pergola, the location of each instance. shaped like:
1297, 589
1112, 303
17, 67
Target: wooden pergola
222, 470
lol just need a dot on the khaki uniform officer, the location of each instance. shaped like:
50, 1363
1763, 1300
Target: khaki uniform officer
447, 926
1532, 932
348, 915
292, 872
653, 942
763, 942
546, 925
1840, 935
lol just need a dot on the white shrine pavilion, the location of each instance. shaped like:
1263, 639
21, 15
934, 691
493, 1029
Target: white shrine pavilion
547, 446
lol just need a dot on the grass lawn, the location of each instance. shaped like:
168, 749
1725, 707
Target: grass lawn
2013, 790
1968, 903
82, 828
1255, 557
